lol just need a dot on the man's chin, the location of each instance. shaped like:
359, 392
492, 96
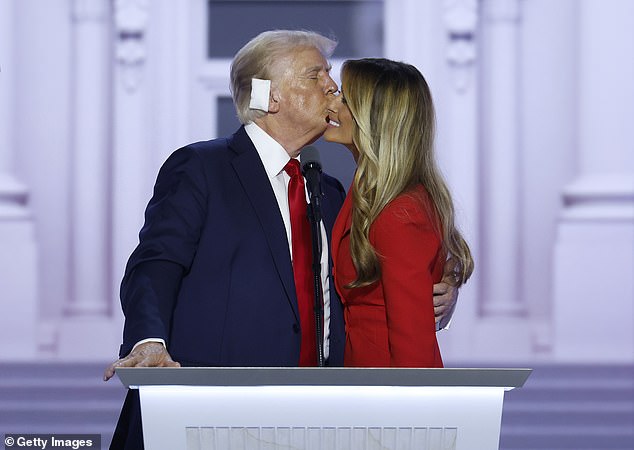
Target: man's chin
317, 136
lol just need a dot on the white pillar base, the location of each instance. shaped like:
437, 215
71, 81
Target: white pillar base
18, 287
594, 292
502, 338
89, 339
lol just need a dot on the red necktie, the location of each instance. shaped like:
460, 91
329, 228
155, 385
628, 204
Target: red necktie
302, 255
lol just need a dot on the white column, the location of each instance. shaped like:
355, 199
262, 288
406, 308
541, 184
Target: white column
89, 312
90, 165
500, 232
7, 86
408, 29
549, 127
594, 254
18, 266
501, 311
457, 150
132, 154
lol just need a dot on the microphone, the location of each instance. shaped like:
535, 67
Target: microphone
311, 168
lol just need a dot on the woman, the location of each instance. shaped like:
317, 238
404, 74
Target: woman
396, 228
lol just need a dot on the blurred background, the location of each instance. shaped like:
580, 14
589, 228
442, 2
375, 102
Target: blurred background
535, 114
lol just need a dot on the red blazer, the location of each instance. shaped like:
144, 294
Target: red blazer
390, 323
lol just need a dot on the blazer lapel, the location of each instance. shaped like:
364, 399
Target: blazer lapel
253, 177
342, 225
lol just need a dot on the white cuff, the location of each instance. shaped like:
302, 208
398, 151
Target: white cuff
143, 341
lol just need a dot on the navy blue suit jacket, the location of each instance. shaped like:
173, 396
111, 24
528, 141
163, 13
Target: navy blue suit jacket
214, 218
212, 273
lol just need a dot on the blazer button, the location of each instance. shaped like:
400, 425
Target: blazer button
295, 328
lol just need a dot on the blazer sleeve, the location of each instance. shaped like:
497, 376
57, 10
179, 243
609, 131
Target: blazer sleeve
408, 244
168, 241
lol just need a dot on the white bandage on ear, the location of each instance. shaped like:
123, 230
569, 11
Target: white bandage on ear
260, 91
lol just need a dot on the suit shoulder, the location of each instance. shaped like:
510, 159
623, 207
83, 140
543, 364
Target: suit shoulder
198, 154
333, 183
207, 149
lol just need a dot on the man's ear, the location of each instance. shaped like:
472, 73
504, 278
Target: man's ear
274, 100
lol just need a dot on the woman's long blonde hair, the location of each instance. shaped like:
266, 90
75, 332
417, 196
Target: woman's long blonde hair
394, 112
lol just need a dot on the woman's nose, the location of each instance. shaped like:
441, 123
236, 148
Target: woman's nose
335, 101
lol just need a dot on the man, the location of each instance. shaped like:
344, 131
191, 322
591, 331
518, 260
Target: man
212, 282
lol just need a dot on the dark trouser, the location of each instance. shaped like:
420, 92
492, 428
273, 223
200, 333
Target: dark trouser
129, 434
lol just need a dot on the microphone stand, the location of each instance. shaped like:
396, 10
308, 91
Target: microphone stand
314, 217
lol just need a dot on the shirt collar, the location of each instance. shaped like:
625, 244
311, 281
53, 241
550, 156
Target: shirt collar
272, 154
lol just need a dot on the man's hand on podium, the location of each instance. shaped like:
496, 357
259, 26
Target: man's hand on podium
148, 354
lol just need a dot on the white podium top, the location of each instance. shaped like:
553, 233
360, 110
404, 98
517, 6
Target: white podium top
323, 376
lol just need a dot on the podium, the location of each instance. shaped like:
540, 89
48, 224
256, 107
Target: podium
200, 408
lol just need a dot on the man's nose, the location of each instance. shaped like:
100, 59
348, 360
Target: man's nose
331, 86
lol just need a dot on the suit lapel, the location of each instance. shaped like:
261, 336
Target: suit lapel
342, 225
253, 177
